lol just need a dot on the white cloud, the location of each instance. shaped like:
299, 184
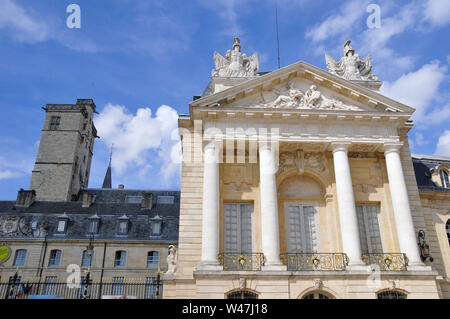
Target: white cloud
7, 174
15, 163
138, 137
21, 24
437, 12
420, 139
419, 89
340, 23
228, 11
443, 146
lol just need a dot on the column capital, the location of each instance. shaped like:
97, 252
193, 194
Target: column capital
340, 146
392, 147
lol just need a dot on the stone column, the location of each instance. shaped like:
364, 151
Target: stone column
210, 214
269, 208
346, 203
400, 202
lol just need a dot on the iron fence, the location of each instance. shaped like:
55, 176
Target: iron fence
386, 261
116, 288
241, 261
314, 261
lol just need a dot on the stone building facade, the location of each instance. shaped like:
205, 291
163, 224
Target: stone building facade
116, 235
299, 183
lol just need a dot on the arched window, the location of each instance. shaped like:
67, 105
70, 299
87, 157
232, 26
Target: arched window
391, 294
19, 259
152, 259
242, 294
317, 295
444, 179
447, 228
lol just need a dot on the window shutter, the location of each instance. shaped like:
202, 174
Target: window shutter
369, 230
246, 228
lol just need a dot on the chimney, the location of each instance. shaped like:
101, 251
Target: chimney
25, 198
88, 199
147, 201
121, 186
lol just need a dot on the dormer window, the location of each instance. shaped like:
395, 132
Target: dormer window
155, 226
123, 225
166, 199
444, 178
62, 224
94, 222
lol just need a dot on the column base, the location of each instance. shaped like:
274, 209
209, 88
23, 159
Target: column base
209, 265
274, 267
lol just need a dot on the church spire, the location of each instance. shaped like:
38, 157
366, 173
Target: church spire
107, 182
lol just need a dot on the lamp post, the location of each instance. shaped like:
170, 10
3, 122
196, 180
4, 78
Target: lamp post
89, 254
424, 247
10, 294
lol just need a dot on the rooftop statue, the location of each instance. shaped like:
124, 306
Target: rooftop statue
351, 67
235, 63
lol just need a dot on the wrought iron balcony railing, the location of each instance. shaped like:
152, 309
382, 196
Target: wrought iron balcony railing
386, 261
314, 261
241, 261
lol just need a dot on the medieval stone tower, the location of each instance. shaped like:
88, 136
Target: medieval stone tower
65, 151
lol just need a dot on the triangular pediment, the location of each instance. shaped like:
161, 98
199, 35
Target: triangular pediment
301, 86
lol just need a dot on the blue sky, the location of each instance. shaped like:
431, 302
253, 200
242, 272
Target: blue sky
142, 61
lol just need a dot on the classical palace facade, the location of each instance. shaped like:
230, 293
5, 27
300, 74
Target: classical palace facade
299, 183
296, 183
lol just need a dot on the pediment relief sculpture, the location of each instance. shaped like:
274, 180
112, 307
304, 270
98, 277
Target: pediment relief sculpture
351, 66
235, 63
293, 98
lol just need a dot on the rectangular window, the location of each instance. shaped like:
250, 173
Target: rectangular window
123, 227
133, 199
93, 226
165, 199
55, 256
61, 226
152, 259
19, 260
301, 228
50, 285
369, 230
120, 258
117, 286
238, 228
156, 228
86, 260
54, 123
150, 288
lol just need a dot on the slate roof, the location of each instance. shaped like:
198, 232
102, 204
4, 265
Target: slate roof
423, 164
109, 205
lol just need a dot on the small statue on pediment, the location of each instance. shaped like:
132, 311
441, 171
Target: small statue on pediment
351, 66
235, 63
